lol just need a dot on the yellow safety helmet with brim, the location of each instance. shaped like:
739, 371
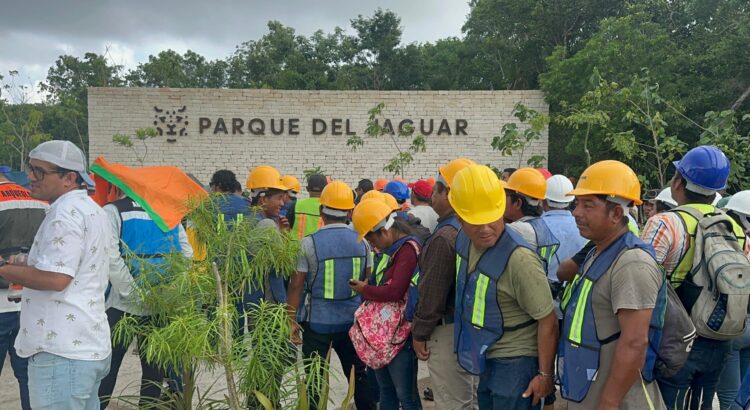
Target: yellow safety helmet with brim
477, 195
264, 177
371, 215
611, 178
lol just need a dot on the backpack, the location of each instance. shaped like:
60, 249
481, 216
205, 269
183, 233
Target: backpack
379, 332
717, 288
677, 335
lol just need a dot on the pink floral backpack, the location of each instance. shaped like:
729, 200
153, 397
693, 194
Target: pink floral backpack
379, 332
381, 329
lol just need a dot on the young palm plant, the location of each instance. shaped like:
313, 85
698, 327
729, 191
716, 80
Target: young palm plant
195, 318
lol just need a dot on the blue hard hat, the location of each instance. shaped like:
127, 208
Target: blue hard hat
705, 168
398, 189
4, 169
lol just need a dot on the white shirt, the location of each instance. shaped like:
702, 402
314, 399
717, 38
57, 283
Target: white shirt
523, 228
121, 296
427, 216
75, 240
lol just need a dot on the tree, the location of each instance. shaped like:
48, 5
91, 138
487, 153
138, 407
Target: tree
169, 69
377, 40
66, 87
513, 140
20, 121
404, 154
142, 135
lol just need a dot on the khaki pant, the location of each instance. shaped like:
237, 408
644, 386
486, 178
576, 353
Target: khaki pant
453, 387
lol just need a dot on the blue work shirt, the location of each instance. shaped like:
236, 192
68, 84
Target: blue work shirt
563, 225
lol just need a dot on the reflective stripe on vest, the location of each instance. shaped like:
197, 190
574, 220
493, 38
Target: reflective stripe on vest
477, 316
307, 217
385, 260
546, 242
580, 344
691, 226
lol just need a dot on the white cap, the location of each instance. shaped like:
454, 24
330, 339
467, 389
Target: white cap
666, 196
557, 187
65, 155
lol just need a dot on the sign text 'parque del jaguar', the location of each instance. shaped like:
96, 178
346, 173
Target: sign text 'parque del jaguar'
320, 126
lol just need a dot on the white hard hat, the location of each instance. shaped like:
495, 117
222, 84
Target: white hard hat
717, 198
666, 196
739, 203
557, 188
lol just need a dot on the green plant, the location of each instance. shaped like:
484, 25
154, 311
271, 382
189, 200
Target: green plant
404, 155
513, 140
142, 135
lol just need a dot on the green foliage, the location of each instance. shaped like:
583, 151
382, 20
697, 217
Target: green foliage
404, 156
20, 122
515, 141
194, 318
316, 170
142, 135
722, 130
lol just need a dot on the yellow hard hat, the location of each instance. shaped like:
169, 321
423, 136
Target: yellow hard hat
449, 170
529, 182
391, 201
477, 195
611, 178
291, 183
372, 194
368, 215
265, 177
337, 195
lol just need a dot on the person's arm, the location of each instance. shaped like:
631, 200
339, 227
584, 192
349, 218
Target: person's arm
119, 275
569, 267
547, 336
33, 278
629, 356
658, 233
437, 279
404, 263
294, 295
186, 248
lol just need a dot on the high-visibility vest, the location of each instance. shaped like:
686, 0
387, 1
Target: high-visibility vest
690, 224
20, 218
386, 259
580, 345
477, 316
546, 242
141, 239
329, 303
306, 217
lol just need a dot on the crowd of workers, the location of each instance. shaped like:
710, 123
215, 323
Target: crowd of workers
516, 290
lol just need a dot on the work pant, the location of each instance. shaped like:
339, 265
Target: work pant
453, 387
320, 343
9, 325
398, 381
503, 382
693, 387
151, 375
737, 364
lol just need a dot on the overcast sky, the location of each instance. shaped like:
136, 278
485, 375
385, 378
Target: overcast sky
34, 33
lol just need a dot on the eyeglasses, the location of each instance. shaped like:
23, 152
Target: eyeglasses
39, 172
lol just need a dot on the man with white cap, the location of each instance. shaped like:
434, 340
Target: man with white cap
64, 329
562, 224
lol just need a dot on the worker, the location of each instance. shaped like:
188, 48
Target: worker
380, 184
293, 189
306, 216
420, 205
400, 191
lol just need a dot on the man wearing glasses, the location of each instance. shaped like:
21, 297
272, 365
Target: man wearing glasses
63, 327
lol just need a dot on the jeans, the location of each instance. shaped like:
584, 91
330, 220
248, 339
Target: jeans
737, 363
56, 382
9, 326
503, 382
694, 385
151, 375
398, 381
319, 343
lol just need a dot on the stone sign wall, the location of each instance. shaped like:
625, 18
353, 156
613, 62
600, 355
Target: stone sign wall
203, 130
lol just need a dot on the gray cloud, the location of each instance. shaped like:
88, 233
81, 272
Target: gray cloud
33, 33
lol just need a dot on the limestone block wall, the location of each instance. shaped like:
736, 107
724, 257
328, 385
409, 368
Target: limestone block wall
203, 130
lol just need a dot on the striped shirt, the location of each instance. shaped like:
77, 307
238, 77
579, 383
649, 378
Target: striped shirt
666, 233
